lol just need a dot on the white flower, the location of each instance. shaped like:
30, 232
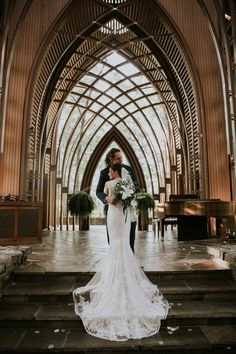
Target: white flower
133, 203
125, 195
127, 192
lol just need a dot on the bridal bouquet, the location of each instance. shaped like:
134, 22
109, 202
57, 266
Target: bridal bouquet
124, 194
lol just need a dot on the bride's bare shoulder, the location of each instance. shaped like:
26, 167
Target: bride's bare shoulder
110, 183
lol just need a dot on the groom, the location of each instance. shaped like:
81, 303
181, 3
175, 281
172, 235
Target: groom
114, 157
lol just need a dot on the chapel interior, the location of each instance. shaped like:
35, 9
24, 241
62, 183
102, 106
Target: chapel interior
157, 80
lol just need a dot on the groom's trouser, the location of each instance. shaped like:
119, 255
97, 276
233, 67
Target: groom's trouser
131, 235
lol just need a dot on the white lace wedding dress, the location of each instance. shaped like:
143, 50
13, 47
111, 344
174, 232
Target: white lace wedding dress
120, 302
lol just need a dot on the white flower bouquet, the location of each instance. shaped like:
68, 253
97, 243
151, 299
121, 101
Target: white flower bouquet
125, 195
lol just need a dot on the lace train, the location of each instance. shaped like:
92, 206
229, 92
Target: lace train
119, 305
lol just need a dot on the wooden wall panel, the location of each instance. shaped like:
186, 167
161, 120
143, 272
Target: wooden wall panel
212, 11
38, 19
190, 20
17, 11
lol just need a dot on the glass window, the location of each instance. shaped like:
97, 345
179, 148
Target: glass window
113, 92
139, 80
113, 119
113, 106
128, 69
96, 106
99, 102
102, 85
105, 113
88, 79
123, 99
125, 85
114, 76
131, 107
103, 99
99, 69
115, 59
134, 94
142, 102
121, 113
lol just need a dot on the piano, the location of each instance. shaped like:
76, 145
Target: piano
193, 215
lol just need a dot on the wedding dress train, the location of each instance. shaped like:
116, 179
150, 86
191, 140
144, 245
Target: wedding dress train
119, 302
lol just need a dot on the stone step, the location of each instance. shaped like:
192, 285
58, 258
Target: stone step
153, 275
182, 339
61, 315
60, 290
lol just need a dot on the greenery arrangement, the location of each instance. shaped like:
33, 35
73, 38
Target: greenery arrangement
81, 204
124, 193
145, 202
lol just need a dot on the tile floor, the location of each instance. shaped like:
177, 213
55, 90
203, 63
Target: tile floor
81, 251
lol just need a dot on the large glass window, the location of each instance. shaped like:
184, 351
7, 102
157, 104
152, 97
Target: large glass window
114, 94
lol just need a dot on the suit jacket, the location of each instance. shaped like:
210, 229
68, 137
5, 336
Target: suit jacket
104, 178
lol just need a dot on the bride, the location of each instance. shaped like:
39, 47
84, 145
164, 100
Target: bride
119, 302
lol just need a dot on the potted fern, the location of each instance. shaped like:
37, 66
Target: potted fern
145, 202
81, 205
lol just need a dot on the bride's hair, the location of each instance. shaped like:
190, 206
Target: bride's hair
116, 168
110, 155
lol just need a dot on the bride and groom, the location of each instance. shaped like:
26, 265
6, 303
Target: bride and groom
119, 302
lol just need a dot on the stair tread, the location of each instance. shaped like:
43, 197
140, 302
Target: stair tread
180, 337
66, 286
64, 311
23, 272
18, 311
39, 288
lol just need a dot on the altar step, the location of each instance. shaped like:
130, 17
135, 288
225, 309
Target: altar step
37, 315
61, 315
183, 286
183, 340
186, 313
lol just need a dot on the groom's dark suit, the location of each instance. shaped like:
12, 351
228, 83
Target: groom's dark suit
102, 196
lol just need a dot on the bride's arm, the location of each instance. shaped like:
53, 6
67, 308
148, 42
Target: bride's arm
106, 189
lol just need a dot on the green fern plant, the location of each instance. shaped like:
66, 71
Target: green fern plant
145, 202
81, 204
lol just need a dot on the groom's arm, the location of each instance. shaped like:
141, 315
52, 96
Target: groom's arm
134, 178
100, 188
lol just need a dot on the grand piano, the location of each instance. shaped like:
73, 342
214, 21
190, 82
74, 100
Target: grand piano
193, 215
